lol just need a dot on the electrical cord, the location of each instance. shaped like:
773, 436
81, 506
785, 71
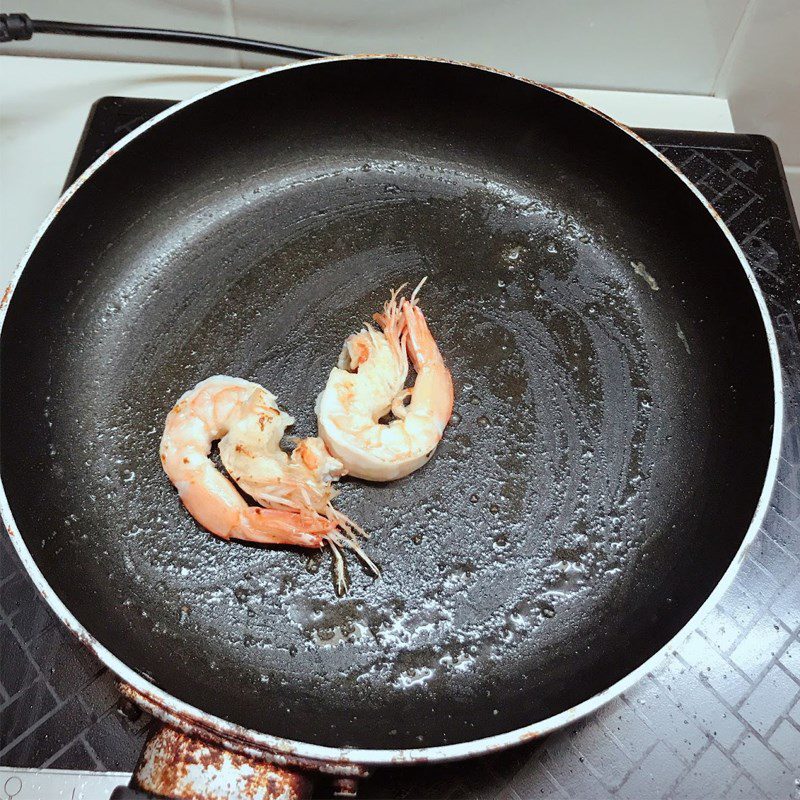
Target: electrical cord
20, 27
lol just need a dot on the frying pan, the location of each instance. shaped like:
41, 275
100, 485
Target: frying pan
617, 413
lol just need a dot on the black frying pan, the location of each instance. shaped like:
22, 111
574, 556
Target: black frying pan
614, 400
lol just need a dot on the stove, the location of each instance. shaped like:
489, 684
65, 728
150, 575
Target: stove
720, 717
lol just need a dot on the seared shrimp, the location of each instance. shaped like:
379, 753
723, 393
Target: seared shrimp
295, 492
369, 382
251, 453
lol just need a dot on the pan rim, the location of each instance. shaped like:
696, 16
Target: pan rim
172, 710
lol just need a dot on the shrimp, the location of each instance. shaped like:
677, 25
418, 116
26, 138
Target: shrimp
250, 451
295, 492
368, 383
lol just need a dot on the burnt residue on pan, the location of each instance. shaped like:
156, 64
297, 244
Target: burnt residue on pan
588, 493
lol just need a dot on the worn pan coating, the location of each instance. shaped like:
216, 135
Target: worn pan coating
614, 400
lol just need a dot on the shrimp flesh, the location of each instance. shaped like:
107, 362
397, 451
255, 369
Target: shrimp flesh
369, 382
295, 491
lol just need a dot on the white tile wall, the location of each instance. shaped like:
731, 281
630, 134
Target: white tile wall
676, 46
746, 50
673, 47
761, 79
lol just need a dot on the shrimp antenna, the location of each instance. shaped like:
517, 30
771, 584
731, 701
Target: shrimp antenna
396, 292
416, 291
338, 540
341, 575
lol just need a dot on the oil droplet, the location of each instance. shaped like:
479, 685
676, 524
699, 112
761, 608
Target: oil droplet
455, 418
483, 421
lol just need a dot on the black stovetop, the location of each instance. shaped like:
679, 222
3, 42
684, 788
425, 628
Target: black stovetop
720, 716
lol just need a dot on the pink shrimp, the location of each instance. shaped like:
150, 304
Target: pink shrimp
295, 492
369, 382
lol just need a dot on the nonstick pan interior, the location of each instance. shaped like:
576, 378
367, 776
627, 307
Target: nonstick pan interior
614, 399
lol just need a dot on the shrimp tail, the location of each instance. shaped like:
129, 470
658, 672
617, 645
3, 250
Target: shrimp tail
279, 526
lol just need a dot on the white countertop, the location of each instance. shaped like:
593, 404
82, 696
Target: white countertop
44, 103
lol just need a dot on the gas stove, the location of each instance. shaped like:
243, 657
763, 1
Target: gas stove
719, 718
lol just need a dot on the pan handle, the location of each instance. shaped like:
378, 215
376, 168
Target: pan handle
179, 766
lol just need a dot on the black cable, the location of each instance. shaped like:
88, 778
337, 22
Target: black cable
21, 27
